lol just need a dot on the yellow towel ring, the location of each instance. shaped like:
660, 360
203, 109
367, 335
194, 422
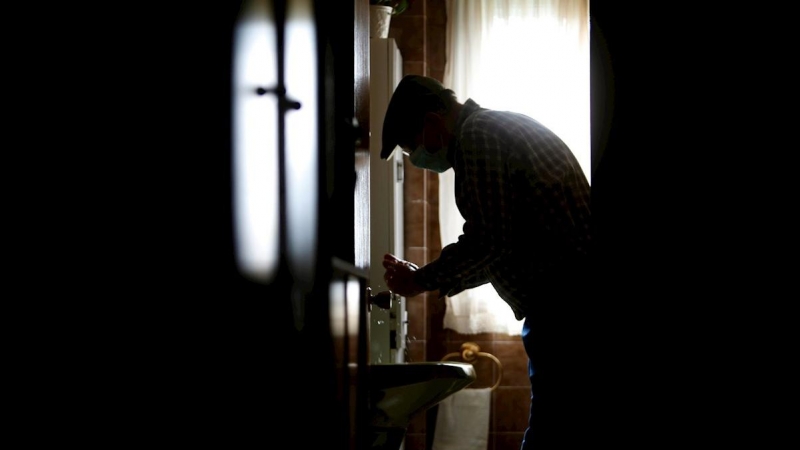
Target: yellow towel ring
470, 352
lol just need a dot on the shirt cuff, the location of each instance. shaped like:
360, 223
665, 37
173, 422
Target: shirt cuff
422, 280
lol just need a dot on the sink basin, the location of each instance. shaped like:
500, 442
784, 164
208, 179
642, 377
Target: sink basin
399, 391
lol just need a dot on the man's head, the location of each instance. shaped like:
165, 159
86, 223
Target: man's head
408, 113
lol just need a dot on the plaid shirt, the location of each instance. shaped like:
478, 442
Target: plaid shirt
525, 201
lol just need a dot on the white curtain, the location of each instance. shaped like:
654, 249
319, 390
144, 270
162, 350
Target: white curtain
527, 56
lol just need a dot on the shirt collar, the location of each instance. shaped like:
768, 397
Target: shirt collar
469, 108
454, 147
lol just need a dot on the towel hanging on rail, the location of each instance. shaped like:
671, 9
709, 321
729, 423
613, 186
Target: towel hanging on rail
462, 422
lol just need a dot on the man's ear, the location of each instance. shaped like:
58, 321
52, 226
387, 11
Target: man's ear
434, 119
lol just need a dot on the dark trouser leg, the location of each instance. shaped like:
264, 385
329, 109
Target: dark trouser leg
532, 430
554, 368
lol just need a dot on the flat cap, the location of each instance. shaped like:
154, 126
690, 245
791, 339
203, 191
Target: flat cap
413, 96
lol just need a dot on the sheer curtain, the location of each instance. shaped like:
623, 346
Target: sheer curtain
528, 56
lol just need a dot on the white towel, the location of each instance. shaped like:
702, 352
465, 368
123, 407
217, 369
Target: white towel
462, 422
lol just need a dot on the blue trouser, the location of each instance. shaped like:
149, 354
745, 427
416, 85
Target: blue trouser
562, 367
555, 367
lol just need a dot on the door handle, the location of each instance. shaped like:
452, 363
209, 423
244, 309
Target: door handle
382, 299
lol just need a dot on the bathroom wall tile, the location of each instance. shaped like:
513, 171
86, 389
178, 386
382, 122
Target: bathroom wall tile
416, 350
436, 304
453, 347
417, 255
455, 336
414, 231
409, 32
515, 363
414, 67
486, 373
436, 12
417, 318
508, 337
415, 441
436, 46
508, 441
417, 8
437, 347
431, 417
414, 223
433, 239
439, 75
417, 424
432, 187
436, 309
413, 183
490, 438
512, 408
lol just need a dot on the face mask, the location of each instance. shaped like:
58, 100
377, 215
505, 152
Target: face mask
436, 162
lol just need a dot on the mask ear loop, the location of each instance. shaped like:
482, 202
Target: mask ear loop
425, 147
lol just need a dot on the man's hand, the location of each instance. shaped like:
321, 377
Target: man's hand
399, 276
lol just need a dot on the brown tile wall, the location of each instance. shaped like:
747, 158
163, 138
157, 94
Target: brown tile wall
420, 36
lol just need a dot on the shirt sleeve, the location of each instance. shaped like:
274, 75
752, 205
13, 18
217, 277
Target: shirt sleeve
460, 284
486, 204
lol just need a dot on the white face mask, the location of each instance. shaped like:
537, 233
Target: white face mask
436, 162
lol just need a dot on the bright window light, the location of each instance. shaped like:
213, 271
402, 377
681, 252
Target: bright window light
545, 73
302, 145
255, 141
